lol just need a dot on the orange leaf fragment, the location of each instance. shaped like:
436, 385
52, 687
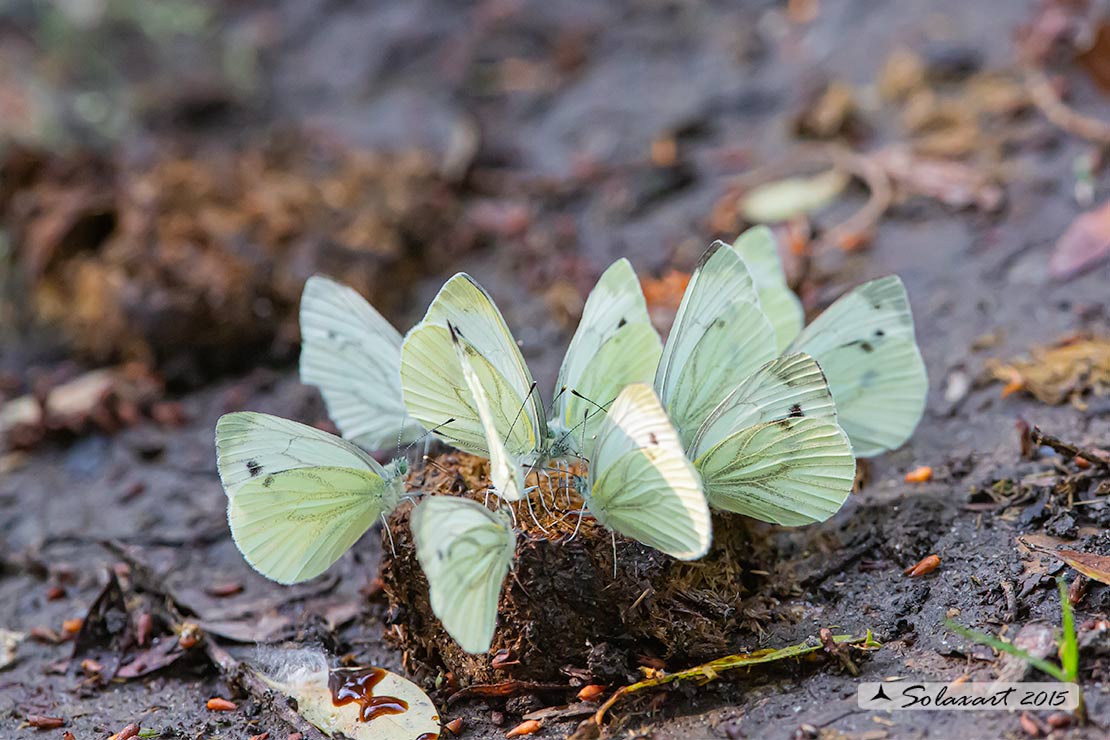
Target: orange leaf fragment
919, 474
527, 727
926, 565
592, 692
217, 704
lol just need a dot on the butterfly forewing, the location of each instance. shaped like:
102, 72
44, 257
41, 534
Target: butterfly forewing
758, 247
353, 356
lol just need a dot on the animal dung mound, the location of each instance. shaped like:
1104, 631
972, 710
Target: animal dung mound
562, 607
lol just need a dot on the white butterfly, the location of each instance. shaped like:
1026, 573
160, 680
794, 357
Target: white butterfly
761, 432
465, 551
615, 344
297, 497
353, 355
640, 483
864, 342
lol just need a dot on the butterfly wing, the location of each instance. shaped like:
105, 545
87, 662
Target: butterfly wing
293, 525
433, 383
465, 551
298, 498
790, 471
790, 386
641, 484
353, 356
253, 445
719, 338
865, 344
505, 470
758, 247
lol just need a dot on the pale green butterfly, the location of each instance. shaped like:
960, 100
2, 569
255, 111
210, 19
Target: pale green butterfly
761, 432
465, 551
506, 475
864, 342
615, 344
297, 497
640, 483
353, 355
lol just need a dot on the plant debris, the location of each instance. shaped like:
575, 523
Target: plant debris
707, 672
1067, 371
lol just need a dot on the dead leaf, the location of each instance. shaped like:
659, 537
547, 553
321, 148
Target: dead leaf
1063, 372
781, 200
1084, 244
362, 704
1095, 567
952, 183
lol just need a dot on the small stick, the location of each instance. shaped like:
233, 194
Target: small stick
1067, 449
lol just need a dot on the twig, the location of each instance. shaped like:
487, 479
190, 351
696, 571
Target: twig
1067, 449
505, 688
230, 668
1047, 100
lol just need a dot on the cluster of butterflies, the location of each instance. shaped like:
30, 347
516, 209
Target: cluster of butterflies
742, 409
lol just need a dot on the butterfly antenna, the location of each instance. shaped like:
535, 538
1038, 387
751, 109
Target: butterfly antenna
520, 410
555, 400
389, 535
585, 417
425, 437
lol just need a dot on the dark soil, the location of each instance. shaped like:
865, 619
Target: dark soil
568, 98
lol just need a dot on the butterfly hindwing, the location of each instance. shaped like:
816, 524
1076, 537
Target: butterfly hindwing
465, 551
793, 471
865, 344
293, 525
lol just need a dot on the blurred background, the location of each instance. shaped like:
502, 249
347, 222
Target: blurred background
171, 171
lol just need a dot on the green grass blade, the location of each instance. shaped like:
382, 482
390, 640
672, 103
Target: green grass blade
1069, 650
991, 641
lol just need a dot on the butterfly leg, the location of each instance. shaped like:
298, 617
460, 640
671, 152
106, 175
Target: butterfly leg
389, 535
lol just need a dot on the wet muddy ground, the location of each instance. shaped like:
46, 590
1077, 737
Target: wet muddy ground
566, 101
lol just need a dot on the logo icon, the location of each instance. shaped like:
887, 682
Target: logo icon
880, 694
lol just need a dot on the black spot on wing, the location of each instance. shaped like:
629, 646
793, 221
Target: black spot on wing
253, 467
621, 323
866, 346
880, 333
652, 438
268, 481
796, 411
